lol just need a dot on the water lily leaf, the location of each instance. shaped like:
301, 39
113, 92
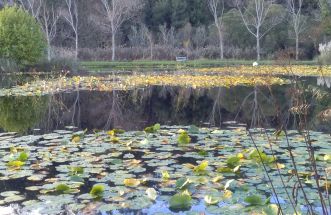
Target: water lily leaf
259, 156
115, 140
227, 194
217, 132
193, 129
181, 201
254, 200
327, 157
9, 193
156, 127
76, 170
183, 183
232, 162
224, 170
202, 152
77, 179
36, 177
271, 209
16, 164
153, 129
97, 190
144, 141
201, 167
131, 182
14, 198
217, 178
115, 132
165, 175
151, 193
75, 139
23, 157
211, 200
62, 188
184, 138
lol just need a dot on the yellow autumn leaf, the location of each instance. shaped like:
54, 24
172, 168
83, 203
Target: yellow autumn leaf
227, 194
131, 182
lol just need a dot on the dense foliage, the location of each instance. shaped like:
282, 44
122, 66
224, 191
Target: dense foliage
21, 38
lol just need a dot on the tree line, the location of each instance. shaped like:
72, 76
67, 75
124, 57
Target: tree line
163, 29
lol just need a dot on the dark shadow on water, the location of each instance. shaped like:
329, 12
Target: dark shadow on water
136, 109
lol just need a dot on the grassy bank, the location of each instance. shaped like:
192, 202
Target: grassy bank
104, 66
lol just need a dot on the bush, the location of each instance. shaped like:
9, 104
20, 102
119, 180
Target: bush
21, 38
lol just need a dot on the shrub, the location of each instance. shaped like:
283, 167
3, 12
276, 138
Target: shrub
21, 38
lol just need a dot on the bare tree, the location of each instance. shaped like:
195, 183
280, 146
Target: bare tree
258, 19
149, 36
71, 16
48, 20
167, 35
118, 11
6, 2
46, 16
33, 6
218, 20
298, 21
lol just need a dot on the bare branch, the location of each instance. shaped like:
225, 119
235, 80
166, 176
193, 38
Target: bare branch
218, 20
71, 16
117, 12
257, 19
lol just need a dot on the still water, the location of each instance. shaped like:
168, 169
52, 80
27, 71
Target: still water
135, 109
47, 125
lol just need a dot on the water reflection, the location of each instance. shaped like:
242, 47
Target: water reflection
135, 109
21, 113
324, 81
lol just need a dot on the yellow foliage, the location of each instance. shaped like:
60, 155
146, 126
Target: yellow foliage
299, 70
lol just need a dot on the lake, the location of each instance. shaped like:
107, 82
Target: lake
215, 149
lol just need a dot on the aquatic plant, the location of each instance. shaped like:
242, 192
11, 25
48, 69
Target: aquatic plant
184, 138
97, 190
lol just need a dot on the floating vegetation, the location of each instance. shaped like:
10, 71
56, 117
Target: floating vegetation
298, 70
183, 138
97, 191
125, 82
201, 81
181, 201
151, 173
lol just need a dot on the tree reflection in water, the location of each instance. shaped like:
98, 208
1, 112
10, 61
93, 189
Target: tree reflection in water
135, 109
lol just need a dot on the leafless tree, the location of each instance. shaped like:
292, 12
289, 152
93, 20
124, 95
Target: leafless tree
167, 35
48, 19
6, 2
46, 16
149, 36
71, 16
298, 21
200, 37
33, 6
118, 11
258, 20
214, 7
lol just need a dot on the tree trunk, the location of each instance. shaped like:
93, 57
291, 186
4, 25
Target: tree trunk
297, 47
151, 47
220, 34
258, 45
76, 46
48, 50
113, 46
